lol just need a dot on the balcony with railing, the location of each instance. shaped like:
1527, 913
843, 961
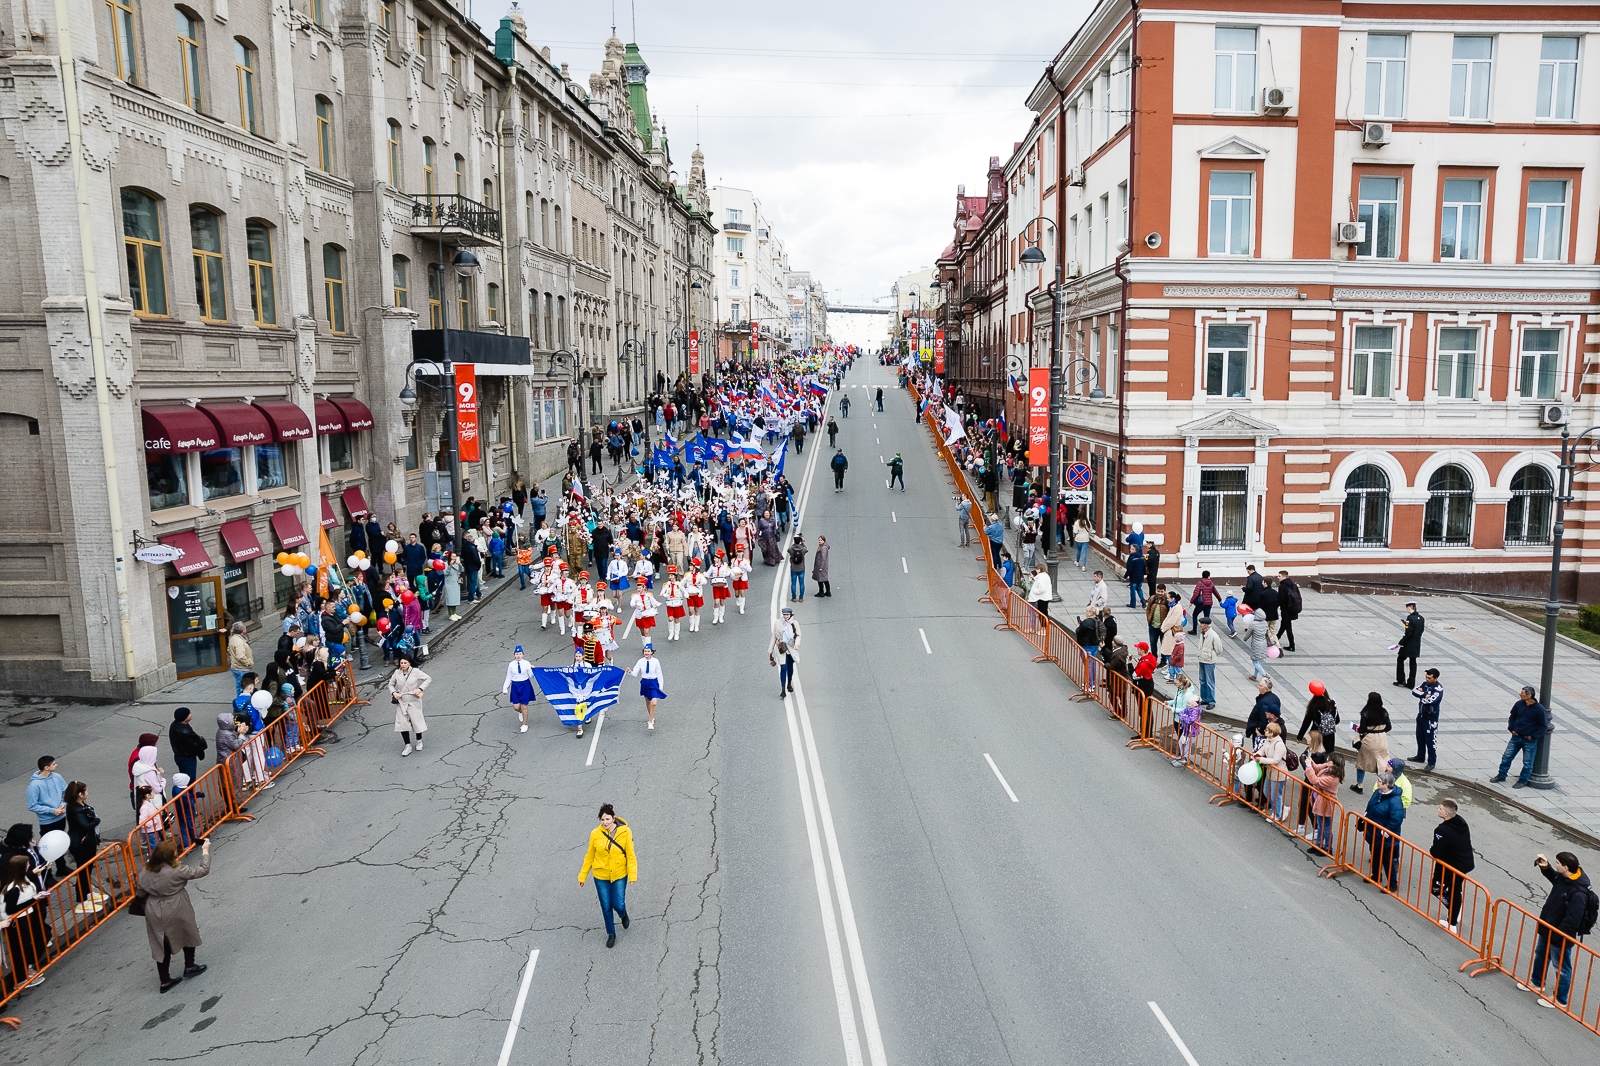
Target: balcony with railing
736, 227
454, 218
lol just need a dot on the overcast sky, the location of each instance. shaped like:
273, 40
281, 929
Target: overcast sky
852, 120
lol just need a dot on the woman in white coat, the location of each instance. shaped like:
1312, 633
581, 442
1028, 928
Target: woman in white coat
406, 686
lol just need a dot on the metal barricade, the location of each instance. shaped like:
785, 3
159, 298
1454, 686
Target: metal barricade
190, 816
269, 753
1536, 955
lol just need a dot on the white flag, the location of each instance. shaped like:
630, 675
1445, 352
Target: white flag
954, 430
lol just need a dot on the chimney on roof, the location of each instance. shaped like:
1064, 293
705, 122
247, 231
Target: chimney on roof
997, 180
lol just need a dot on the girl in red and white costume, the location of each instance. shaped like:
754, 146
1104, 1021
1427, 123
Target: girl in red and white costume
741, 579
584, 601
694, 594
644, 604
548, 574
562, 597
672, 597
721, 578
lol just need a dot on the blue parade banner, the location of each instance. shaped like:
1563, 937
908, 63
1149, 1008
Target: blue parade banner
578, 693
719, 449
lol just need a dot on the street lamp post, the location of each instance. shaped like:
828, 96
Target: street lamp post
466, 266
1034, 256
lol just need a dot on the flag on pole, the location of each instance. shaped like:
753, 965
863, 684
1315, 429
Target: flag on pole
953, 429
578, 693
577, 490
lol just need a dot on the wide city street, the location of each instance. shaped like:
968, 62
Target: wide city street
925, 855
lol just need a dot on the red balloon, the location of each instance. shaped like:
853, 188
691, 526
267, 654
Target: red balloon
1318, 688
407, 596
383, 625
438, 564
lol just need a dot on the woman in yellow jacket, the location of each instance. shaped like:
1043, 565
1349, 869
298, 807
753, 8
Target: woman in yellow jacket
611, 858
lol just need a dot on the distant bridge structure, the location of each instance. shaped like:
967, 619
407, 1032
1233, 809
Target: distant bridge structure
849, 309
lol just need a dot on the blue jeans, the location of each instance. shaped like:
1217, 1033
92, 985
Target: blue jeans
1256, 669
1541, 950
797, 584
785, 673
522, 575
472, 585
1514, 745
497, 564
1136, 588
613, 897
1083, 553
1273, 791
1324, 838
1208, 683
238, 681
994, 551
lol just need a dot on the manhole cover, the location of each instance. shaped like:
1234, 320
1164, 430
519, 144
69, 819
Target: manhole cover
30, 717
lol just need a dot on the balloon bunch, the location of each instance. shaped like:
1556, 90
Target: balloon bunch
292, 563
359, 561
391, 552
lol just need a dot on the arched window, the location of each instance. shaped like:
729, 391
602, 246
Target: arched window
1365, 520
461, 176
1528, 514
463, 303
124, 44
1447, 520
395, 169
427, 167
527, 215
402, 282
141, 240
488, 192
551, 341
492, 298
205, 233
533, 318
333, 282
263, 294
556, 247
244, 64
435, 296
544, 223
324, 134
189, 30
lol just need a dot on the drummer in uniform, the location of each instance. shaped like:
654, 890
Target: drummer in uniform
563, 594
694, 594
721, 578
672, 596
644, 606
741, 578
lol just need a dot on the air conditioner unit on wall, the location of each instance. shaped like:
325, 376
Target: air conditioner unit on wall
1074, 269
1276, 100
1351, 233
1552, 414
1075, 176
1375, 134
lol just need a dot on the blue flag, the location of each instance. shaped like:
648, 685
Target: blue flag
696, 451
719, 449
578, 693
783, 453
661, 458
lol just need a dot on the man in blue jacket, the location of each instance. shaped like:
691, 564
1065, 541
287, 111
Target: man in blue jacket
996, 532
1528, 722
47, 792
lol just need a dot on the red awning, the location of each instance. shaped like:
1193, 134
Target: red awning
356, 415
194, 558
178, 429
286, 524
288, 421
329, 418
240, 423
240, 537
328, 519
354, 502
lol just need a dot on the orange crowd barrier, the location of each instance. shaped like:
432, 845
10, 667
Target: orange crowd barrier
1540, 957
189, 816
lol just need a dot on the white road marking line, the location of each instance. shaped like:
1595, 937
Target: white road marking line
877, 440
600, 720
1002, 778
1176, 1039
903, 568
516, 1014
925, 642
892, 518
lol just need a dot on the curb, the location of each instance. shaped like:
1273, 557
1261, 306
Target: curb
1564, 641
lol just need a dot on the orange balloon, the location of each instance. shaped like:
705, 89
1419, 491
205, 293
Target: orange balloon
390, 557
283, 558
361, 555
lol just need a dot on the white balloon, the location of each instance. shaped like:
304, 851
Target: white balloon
53, 845
1138, 527
392, 546
289, 569
352, 561
363, 564
261, 700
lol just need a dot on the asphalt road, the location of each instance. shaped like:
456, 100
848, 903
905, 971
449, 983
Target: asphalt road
837, 877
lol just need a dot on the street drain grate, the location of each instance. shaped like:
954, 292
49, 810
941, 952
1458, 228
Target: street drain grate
30, 717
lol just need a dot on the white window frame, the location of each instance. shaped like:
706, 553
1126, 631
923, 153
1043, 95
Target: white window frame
1250, 377
1400, 385
1232, 56
1105, 227
1364, 362
1467, 70
1543, 209
1549, 84
1446, 204
1231, 200
1088, 235
1399, 202
1385, 69
1451, 358
1522, 359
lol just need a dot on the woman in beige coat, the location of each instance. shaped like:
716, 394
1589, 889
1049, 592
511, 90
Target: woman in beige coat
168, 915
406, 686
1172, 635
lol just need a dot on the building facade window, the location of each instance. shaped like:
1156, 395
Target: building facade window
244, 65
189, 58
1364, 518
1558, 78
1471, 63
544, 223
1227, 360
141, 239
428, 149
205, 238
1372, 362
1457, 377
124, 45
222, 473
263, 291
1386, 75
1544, 237
396, 171
1378, 205
1532, 503
341, 452
272, 467
1231, 225
461, 175
1538, 362
435, 297
1447, 518
333, 285
533, 318
492, 302
166, 480
551, 341
324, 135
1461, 220
423, 40
735, 244
1224, 495
402, 283
319, 13
1235, 78
463, 303
389, 20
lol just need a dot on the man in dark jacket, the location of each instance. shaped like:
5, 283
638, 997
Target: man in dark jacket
1289, 603
188, 747
1252, 587
1565, 910
1527, 723
1409, 648
358, 533
1152, 567
600, 543
286, 650
1452, 846
472, 565
415, 556
1267, 708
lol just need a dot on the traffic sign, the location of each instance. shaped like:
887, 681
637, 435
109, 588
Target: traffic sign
1079, 476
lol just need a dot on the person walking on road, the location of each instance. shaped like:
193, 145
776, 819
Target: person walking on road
839, 464
1041, 591
996, 532
612, 861
519, 686
844, 407
1569, 910
963, 519
169, 919
1207, 648
798, 435
406, 686
819, 568
1409, 647
1289, 604
1452, 847
648, 671
897, 471
1372, 740
785, 641
1528, 722
833, 432
880, 399
1430, 698
797, 568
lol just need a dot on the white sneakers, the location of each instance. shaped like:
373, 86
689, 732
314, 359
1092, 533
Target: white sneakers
419, 742
1456, 929
650, 725
524, 728
405, 751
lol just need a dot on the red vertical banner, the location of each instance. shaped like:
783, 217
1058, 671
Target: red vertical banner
1039, 416
911, 327
755, 339
694, 351
467, 412
938, 351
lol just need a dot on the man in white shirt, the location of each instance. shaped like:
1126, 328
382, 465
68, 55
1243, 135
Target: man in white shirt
784, 642
1097, 594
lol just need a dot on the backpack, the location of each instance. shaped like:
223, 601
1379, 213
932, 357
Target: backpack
1591, 913
1291, 761
1291, 600
797, 557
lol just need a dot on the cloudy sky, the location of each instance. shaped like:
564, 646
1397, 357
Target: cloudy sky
852, 121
